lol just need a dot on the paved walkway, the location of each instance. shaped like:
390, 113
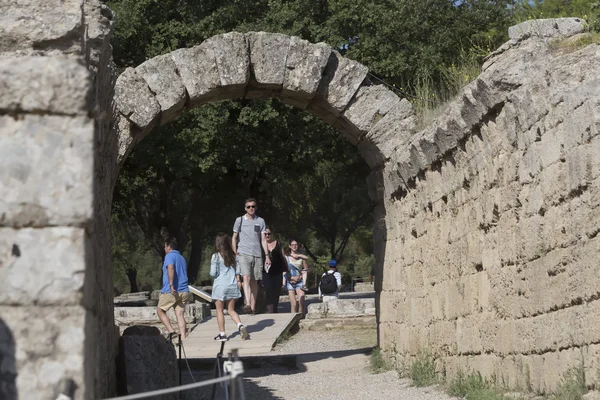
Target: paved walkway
264, 329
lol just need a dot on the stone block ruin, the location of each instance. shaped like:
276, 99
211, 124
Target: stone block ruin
487, 222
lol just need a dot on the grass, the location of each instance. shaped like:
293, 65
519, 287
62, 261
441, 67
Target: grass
422, 370
569, 45
377, 362
473, 387
431, 100
572, 385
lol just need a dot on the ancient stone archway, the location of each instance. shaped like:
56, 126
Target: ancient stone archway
489, 216
259, 65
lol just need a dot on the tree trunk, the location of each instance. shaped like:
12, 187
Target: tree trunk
195, 256
132, 276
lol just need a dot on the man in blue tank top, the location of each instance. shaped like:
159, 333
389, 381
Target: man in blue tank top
174, 291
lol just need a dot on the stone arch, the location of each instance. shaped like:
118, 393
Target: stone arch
259, 65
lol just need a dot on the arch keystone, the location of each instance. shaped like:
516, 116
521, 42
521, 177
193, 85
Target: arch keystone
161, 75
233, 62
268, 55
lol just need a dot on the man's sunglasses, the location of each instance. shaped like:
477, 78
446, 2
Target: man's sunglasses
250, 206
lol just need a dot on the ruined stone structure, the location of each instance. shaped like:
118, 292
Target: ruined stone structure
492, 223
487, 219
56, 151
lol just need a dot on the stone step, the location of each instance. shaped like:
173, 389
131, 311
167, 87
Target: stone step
332, 307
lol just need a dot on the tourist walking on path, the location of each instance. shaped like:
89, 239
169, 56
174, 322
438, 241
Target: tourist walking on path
331, 281
293, 279
249, 230
227, 284
273, 275
174, 291
299, 259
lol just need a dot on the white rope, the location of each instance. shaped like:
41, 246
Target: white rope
177, 388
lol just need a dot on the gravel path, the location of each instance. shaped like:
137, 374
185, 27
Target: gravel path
333, 365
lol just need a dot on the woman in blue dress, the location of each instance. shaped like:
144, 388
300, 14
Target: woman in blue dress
227, 284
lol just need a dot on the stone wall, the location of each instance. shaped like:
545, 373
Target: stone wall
488, 218
493, 220
56, 323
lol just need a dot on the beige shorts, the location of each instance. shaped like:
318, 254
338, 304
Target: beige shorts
250, 265
168, 300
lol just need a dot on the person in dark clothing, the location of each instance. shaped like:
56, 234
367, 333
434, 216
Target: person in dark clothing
273, 274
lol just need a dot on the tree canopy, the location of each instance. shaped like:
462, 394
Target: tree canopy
189, 178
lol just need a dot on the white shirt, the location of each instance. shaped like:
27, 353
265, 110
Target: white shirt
338, 279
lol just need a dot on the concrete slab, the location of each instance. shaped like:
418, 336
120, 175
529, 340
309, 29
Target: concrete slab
264, 329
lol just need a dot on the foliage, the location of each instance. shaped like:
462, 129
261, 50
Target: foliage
422, 370
188, 178
572, 384
377, 362
473, 387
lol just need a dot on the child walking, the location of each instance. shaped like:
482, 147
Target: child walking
226, 287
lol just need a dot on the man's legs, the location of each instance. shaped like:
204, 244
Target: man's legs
247, 291
164, 318
165, 302
246, 269
253, 293
179, 314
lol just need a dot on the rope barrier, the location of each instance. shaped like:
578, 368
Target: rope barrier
234, 374
186, 361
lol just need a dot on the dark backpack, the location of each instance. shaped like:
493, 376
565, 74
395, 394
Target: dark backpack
328, 284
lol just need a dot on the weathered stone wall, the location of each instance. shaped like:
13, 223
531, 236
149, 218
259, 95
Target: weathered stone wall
56, 318
492, 224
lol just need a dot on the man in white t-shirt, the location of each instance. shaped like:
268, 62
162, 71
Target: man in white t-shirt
250, 228
331, 282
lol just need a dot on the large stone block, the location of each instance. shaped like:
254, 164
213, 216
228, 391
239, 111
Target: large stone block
233, 63
197, 67
147, 362
46, 170
394, 130
43, 266
341, 79
551, 27
367, 108
160, 73
134, 100
50, 348
58, 85
268, 54
27, 24
305, 64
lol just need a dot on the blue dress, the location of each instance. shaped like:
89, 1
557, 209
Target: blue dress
225, 286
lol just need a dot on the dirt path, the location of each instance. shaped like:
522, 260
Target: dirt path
332, 365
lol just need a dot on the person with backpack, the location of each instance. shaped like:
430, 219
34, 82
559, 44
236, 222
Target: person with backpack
331, 281
226, 287
250, 230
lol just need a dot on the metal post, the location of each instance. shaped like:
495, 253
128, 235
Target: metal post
232, 380
179, 364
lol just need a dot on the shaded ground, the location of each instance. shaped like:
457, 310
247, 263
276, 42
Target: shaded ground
329, 365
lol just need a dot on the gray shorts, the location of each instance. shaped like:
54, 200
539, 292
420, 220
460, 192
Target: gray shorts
250, 265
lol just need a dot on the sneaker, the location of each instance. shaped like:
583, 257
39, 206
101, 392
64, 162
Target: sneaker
243, 332
221, 338
304, 289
